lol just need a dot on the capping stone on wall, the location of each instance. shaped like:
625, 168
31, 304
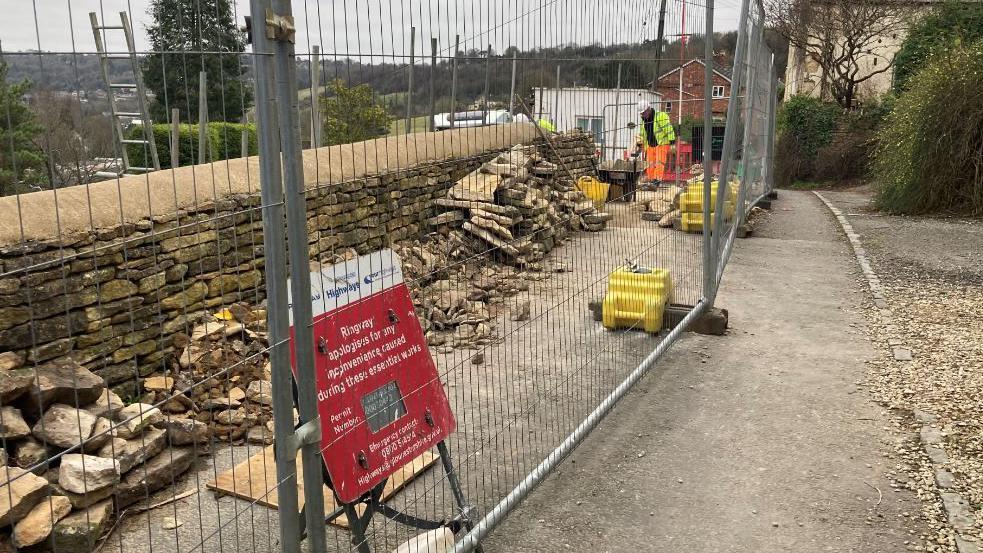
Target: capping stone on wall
191, 241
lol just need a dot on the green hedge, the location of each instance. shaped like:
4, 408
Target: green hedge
804, 126
224, 142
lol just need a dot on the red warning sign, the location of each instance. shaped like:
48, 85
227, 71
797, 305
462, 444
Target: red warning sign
380, 398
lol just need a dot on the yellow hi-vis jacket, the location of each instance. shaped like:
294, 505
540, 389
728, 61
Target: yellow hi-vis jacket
546, 125
662, 126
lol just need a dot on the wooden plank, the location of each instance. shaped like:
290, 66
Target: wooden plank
255, 480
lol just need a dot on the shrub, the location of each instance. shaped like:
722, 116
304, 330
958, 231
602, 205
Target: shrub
930, 152
352, 114
850, 153
224, 142
804, 125
788, 162
949, 22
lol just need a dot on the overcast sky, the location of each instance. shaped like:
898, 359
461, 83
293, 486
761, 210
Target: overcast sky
382, 26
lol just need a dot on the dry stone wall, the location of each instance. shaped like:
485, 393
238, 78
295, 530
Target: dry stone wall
154, 307
115, 298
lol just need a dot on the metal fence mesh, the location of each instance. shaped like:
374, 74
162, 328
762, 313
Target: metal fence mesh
173, 186
748, 142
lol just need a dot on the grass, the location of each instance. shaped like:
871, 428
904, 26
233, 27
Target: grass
417, 124
808, 185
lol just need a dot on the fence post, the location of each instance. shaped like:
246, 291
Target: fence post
770, 129
275, 249
617, 110
433, 75
315, 96
307, 437
659, 41
556, 98
202, 117
450, 115
515, 60
484, 115
750, 98
409, 86
708, 268
175, 138
728, 147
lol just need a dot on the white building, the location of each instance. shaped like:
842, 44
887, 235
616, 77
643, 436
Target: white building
610, 114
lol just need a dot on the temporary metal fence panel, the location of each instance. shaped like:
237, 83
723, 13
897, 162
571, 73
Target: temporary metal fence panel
153, 326
745, 163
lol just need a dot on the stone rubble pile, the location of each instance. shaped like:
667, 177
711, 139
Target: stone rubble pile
519, 205
220, 384
458, 293
76, 456
577, 150
665, 207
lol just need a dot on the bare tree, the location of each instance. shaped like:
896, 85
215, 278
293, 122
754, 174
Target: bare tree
74, 136
846, 39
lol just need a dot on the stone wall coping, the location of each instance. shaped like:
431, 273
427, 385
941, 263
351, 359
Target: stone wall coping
71, 211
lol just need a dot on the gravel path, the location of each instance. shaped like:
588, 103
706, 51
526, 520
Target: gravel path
932, 271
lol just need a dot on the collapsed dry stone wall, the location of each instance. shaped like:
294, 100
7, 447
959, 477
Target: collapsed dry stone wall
110, 274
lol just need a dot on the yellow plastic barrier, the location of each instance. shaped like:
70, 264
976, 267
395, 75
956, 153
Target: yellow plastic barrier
692, 200
636, 299
693, 222
594, 189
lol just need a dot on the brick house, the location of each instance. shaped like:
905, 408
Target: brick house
693, 74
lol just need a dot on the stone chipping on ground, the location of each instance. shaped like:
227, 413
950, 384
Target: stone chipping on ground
939, 322
936, 317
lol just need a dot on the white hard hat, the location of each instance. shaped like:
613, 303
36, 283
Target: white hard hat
643, 105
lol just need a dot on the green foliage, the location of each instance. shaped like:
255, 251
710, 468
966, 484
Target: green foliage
22, 162
352, 114
804, 125
810, 122
224, 142
849, 154
181, 33
633, 75
685, 131
807, 185
951, 22
930, 152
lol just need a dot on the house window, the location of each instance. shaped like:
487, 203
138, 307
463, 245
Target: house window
718, 92
667, 107
593, 125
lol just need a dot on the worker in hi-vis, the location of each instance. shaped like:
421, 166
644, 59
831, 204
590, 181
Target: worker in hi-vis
657, 137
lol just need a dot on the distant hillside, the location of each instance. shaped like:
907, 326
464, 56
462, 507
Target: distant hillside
580, 65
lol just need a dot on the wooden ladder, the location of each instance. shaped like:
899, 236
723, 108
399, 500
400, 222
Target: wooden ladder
105, 58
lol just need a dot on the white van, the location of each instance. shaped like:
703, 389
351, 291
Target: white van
441, 121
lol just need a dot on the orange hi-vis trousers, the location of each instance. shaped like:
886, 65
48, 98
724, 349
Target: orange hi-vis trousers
657, 156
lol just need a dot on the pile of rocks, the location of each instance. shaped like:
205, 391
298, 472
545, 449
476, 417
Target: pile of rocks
664, 208
518, 206
577, 150
76, 455
458, 293
220, 383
